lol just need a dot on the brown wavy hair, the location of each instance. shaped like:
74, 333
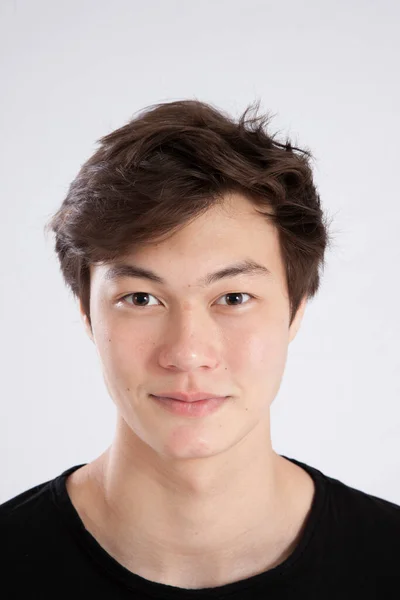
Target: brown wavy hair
168, 165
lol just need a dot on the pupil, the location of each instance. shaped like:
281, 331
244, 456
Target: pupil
139, 294
234, 295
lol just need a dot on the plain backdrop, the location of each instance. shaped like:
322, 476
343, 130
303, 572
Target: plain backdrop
74, 70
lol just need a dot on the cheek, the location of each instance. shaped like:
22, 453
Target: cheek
262, 352
120, 349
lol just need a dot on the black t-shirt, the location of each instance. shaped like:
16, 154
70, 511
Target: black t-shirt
349, 548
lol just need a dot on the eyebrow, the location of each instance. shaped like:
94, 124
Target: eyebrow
245, 267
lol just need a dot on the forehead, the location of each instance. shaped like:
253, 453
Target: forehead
230, 237
235, 222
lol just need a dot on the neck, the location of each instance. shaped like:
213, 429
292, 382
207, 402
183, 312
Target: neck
208, 520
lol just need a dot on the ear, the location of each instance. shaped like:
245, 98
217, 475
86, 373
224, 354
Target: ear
295, 326
85, 321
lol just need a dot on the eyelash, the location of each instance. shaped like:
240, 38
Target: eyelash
123, 298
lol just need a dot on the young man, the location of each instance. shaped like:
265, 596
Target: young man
192, 243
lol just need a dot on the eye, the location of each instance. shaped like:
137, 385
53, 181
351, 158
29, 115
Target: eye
139, 295
235, 296
143, 296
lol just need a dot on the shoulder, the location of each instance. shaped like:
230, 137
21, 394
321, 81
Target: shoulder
368, 526
34, 518
22, 503
36, 500
354, 532
25, 513
365, 508
37, 548
346, 502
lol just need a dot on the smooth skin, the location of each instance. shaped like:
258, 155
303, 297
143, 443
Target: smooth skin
195, 502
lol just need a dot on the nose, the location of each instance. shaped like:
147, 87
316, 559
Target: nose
191, 342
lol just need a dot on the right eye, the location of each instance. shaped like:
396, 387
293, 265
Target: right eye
140, 297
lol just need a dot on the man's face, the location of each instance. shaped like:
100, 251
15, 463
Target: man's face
229, 337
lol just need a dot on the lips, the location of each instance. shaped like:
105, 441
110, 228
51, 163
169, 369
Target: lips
189, 396
190, 408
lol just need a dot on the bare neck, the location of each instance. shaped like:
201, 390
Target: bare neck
193, 523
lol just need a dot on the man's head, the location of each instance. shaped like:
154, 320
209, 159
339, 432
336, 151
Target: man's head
183, 191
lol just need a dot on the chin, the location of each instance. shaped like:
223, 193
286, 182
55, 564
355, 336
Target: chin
183, 444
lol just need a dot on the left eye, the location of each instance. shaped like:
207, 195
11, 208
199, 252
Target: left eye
234, 295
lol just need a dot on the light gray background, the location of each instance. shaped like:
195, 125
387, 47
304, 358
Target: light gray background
72, 71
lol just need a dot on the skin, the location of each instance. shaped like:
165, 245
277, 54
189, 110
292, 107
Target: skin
195, 502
